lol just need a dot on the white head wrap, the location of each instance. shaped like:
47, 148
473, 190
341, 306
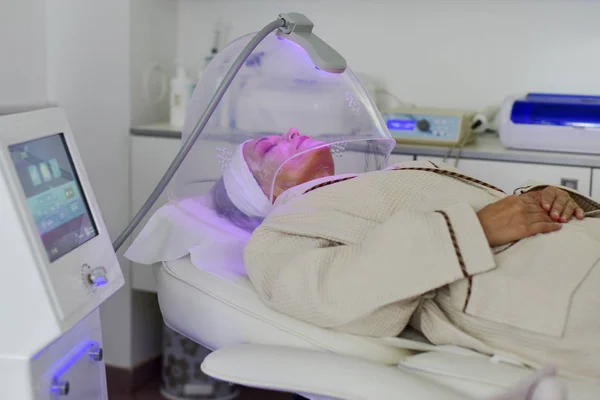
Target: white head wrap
243, 189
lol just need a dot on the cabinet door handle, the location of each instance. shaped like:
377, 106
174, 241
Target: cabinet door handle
570, 183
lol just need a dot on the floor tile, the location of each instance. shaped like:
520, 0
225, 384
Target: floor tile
152, 392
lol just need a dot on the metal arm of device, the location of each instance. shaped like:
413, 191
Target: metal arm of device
162, 184
293, 26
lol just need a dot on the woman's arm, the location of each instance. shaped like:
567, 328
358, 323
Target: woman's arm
333, 268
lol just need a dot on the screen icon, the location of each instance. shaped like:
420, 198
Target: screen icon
34, 175
88, 231
69, 193
56, 173
46, 175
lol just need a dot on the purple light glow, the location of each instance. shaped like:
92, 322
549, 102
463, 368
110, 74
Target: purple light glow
306, 55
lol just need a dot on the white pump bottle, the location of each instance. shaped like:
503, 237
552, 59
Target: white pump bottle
181, 93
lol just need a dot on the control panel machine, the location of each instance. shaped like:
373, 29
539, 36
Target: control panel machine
58, 263
430, 126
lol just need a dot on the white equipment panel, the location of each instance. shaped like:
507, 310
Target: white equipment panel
58, 262
430, 126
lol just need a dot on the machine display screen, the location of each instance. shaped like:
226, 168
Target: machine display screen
401, 125
54, 195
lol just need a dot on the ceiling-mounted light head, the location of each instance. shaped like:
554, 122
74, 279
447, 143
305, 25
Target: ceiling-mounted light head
298, 29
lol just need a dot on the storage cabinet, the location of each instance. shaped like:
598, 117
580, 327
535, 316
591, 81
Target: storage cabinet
596, 184
508, 175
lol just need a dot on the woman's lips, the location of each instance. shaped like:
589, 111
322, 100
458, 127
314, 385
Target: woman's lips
301, 140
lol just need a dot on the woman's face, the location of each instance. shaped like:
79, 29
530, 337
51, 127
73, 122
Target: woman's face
265, 155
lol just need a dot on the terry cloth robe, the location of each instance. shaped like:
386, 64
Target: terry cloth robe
376, 253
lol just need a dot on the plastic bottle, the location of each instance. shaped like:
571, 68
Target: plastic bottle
181, 93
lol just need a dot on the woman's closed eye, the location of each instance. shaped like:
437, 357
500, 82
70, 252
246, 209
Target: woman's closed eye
265, 147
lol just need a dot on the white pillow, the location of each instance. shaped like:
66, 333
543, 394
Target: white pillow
191, 227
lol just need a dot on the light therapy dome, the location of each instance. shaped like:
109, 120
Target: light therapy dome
281, 115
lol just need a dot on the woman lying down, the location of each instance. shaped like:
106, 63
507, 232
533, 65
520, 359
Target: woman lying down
420, 245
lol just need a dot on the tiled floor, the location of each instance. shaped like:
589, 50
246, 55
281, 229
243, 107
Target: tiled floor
152, 393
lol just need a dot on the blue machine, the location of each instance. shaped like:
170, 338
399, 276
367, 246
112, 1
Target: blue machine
551, 122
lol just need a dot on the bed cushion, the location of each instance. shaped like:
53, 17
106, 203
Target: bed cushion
217, 311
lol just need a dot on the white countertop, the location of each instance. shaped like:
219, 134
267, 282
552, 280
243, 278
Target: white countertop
487, 147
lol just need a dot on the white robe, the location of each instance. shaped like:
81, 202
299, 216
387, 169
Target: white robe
381, 251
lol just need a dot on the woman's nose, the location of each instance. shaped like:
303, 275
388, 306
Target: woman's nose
291, 134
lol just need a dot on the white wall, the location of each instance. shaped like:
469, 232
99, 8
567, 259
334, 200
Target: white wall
88, 75
22, 55
153, 39
460, 53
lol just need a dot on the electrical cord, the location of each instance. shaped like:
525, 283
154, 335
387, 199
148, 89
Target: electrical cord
460, 146
483, 123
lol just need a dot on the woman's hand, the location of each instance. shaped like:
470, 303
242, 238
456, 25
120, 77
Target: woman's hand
557, 203
514, 218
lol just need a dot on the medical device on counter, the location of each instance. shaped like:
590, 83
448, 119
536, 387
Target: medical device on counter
59, 265
551, 122
430, 126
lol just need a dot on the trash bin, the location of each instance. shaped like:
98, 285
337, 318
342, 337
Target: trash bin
182, 378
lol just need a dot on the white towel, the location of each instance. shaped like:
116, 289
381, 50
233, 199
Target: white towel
243, 189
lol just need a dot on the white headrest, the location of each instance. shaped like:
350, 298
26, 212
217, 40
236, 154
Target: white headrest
191, 227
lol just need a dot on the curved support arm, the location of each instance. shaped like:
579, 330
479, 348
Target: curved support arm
162, 184
319, 373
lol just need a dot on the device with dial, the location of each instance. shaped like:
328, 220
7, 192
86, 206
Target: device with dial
429, 126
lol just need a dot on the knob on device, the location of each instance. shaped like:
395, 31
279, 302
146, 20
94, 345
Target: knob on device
97, 276
423, 125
